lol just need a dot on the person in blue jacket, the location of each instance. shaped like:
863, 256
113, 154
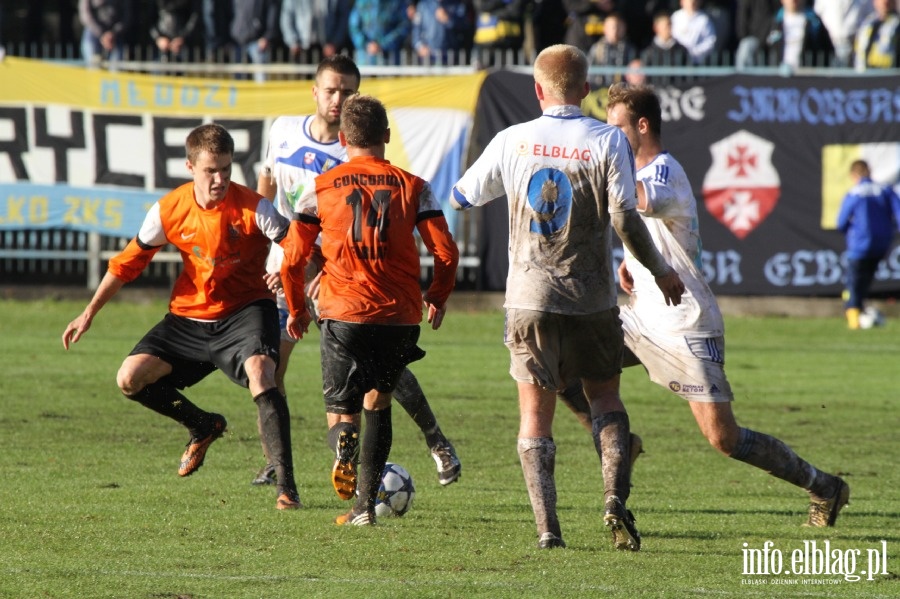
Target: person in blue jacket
442, 30
868, 218
380, 30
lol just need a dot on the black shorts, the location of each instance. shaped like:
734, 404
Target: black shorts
357, 358
196, 348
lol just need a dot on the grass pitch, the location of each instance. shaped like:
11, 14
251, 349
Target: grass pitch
91, 505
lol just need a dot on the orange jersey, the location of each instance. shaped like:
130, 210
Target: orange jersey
224, 249
367, 211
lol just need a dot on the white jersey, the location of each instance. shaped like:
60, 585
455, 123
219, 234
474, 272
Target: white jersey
294, 159
671, 218
563, 174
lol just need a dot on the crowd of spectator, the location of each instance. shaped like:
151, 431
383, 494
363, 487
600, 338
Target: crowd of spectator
862, 34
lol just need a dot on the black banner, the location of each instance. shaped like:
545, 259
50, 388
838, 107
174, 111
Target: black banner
768, 159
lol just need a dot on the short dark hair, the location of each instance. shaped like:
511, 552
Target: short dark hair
364, 121
339, 63
860, 168
640, 101
212, 138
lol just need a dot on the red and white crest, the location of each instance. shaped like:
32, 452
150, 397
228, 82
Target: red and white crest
309, 157
742, 186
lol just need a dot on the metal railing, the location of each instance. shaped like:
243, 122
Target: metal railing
70, 257
228, 62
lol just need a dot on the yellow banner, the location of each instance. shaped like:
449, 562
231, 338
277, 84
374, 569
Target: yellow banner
42, 82
75, 140
884, 163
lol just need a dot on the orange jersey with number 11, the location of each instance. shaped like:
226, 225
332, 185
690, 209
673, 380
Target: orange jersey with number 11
367, 211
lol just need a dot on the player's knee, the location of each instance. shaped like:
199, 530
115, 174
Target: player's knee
723, 441
261, 371
128, 383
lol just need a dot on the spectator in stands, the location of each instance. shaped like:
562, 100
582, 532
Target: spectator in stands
634, 76
499, 28
638, 16
107, 24
694, 30
612, 50
878, 38
753, 21
217, 16
721, 13
380, 30
175, 28
548, 23
584, 26
664, 50
798, 37
842, 19
442, 31
315, 29
254, 29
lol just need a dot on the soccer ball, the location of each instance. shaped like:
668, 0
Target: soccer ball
396, 493
871, 317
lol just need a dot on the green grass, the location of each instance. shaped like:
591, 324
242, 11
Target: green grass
91, 506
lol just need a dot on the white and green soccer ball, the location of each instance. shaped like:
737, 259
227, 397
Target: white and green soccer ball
871, 317
396, 493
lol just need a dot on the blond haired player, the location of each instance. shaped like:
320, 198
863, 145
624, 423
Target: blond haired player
567, 178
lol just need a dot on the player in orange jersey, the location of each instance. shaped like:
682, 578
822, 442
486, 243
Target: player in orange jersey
221, 314
299, 149
370, 301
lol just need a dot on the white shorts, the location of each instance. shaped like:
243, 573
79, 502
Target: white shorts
692, 367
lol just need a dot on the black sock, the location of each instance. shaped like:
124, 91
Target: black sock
259, 428
165, 399
409, 394
374, 452
275, 434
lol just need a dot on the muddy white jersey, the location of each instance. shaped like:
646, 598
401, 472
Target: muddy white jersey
671, 218
563, 174
294, 159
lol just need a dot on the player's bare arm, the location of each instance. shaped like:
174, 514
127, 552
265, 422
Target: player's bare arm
273, 281
265, 184
435, 313
312, 288
108, 287
626, 281
298, 325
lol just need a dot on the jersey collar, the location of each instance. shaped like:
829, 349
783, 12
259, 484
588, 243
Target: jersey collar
564, 111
